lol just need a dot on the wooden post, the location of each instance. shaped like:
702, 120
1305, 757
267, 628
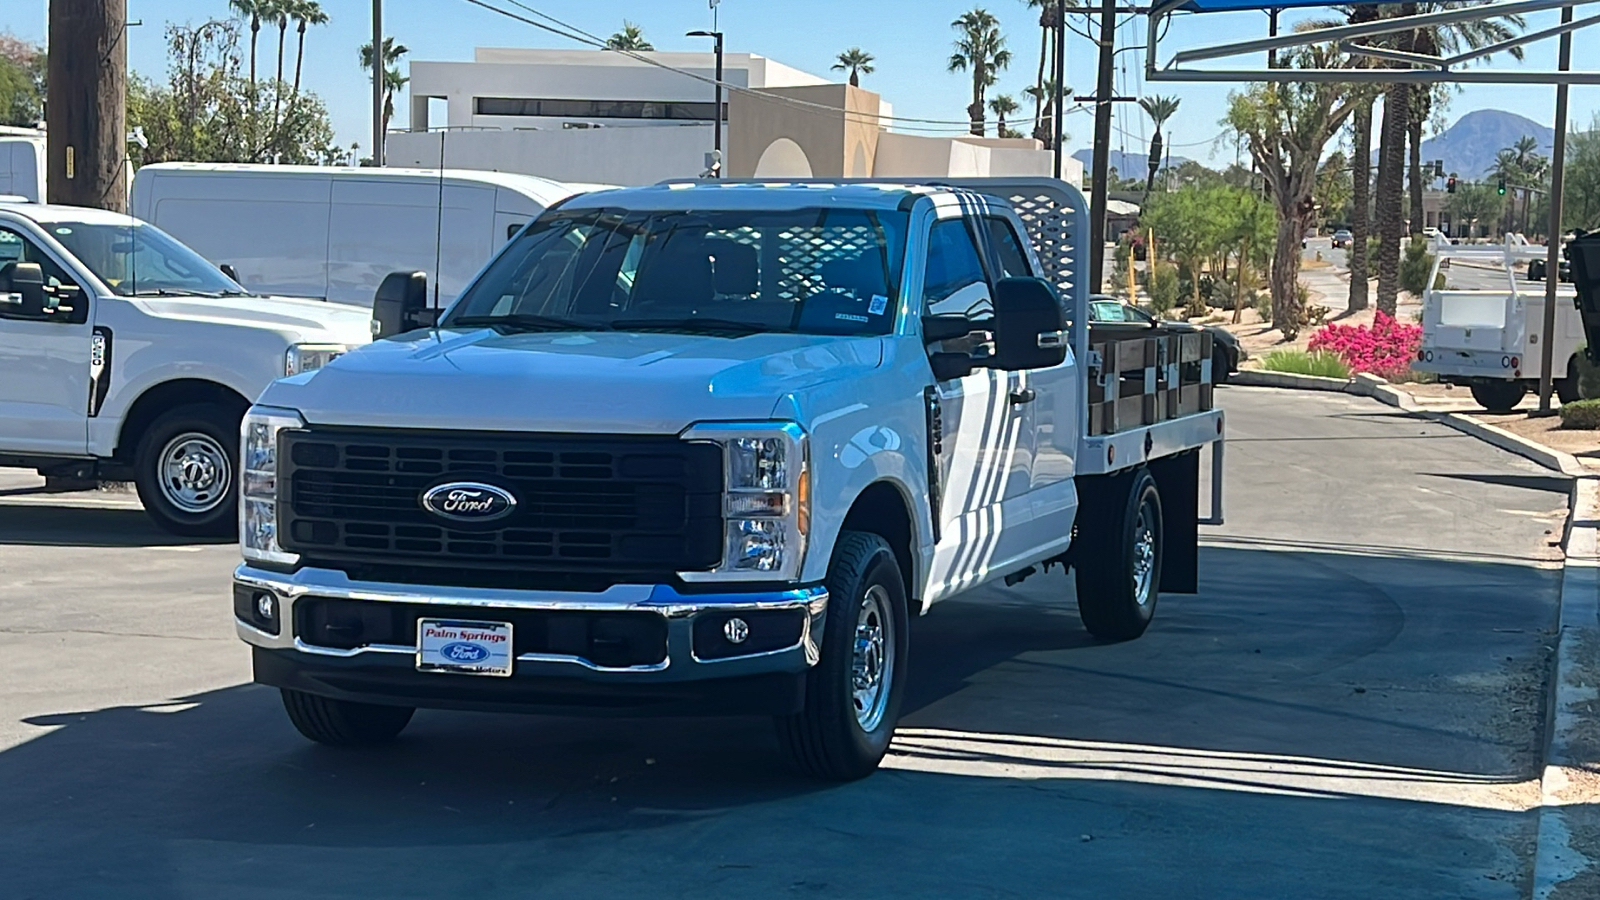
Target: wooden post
86, 109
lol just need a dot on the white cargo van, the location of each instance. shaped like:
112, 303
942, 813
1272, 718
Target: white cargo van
22, 166
332, 233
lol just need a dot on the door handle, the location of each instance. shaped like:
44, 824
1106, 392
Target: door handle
1026, 395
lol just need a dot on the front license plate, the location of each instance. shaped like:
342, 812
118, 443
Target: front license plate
464, 647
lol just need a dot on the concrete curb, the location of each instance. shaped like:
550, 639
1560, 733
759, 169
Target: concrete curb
1263, 378
1568, 789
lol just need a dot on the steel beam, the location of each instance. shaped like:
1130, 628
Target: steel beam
1420, 59
1564, 28
1382, 26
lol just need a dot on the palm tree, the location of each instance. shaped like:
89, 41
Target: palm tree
858, 62
306, 13
393, 81
1050, 18
1159, 109
1003, 105
277, 11
981, 48
1360, 201
631, 37
253, 9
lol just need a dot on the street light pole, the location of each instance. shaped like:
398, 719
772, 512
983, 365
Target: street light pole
716, 133
378, 72
1552, 269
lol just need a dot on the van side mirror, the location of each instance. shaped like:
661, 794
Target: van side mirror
1029, 325
22, 291
401, 304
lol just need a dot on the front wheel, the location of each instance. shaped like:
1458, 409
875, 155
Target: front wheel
344, 723
1498, 396
853, 693
1221, 365
1118, 554
1568, 388
185, 470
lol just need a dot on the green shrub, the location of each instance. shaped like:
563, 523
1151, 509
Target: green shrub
1583, 414
1415, 266
1263, 305
1163, 287
1299, 362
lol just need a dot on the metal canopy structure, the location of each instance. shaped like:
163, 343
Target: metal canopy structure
1427, 68
1404, 67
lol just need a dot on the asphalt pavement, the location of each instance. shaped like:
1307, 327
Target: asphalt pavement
1352, 707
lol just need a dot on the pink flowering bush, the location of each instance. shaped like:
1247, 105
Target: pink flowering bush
1386, 349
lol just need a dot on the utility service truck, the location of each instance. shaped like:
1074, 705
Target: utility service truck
1488, 338
708, 448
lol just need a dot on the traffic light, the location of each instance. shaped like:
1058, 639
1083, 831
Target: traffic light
1500, 186
1450, 185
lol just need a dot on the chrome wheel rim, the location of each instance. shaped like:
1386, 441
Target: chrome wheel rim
872, 660
194, 473
1144, 554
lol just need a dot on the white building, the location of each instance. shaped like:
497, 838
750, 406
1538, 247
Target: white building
598, 116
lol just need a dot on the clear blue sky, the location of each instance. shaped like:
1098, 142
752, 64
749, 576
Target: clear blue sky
910, 38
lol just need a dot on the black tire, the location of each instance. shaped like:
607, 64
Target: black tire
343, 723
1498, 396
209, 433
1568, 388
1221, 365
1115, 515
828, 738
1536, 269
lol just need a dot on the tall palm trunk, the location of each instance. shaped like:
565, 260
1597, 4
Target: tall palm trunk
255, 125
299, 58
1361, 202
277, 93
1391, 168
975, 111
1414, 147
1044, 55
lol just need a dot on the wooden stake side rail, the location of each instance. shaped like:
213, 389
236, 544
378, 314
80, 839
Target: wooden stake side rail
1145, 380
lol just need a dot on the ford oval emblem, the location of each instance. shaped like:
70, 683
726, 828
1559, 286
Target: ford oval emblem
469, 501
464, 653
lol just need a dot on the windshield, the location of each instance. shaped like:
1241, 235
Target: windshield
142, 261
813, 271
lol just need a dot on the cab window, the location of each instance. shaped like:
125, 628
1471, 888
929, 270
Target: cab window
1010, 260
954, 282
16, 247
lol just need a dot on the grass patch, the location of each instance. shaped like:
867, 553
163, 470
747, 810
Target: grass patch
1299, 362
1581, 414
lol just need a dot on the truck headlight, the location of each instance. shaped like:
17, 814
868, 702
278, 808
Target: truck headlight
310, 357
766, 500
258, 502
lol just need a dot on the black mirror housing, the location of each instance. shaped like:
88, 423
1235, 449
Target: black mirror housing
228, 270
401, 304
22, 291
945, 328
949, 366
1028, 325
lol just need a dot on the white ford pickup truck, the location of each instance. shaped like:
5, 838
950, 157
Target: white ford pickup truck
125, 356
709, 448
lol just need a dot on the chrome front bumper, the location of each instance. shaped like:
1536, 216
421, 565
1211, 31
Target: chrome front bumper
680, 611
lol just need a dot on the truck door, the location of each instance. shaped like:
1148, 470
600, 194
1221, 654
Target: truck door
985, 460
1050, 415
44, 360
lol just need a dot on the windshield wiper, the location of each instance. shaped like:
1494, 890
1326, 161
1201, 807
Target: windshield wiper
167, 292
694, 324
525, 322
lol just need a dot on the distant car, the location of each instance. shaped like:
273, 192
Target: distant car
1107, 313
1537, 268
1343, 237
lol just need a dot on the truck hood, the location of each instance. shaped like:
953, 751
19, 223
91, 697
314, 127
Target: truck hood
569, 382
301, 320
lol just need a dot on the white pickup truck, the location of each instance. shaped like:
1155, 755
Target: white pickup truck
708, 448
125, 356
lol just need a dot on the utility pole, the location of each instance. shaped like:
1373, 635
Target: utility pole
1552, 268
1058, 128
380, 67
716, 133
1102, 145
86, 110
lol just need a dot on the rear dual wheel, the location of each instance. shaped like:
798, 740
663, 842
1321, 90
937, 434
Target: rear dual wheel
1117, 554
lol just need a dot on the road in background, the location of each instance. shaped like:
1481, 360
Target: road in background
1350, 708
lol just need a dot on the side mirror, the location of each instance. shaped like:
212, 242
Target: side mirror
400, 305
231, 272
1028, 325
22, 291
948, 366
945, 328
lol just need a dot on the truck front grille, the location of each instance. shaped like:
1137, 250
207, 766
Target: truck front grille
617, 505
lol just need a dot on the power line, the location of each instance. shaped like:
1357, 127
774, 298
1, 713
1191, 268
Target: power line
578, 35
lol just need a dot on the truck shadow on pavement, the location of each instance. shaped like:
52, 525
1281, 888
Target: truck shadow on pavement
43, 525
1305, 715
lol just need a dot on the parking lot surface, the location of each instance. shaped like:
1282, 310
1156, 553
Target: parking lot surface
1352, 706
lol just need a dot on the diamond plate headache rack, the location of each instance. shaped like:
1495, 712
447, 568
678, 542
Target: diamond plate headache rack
1430, 69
